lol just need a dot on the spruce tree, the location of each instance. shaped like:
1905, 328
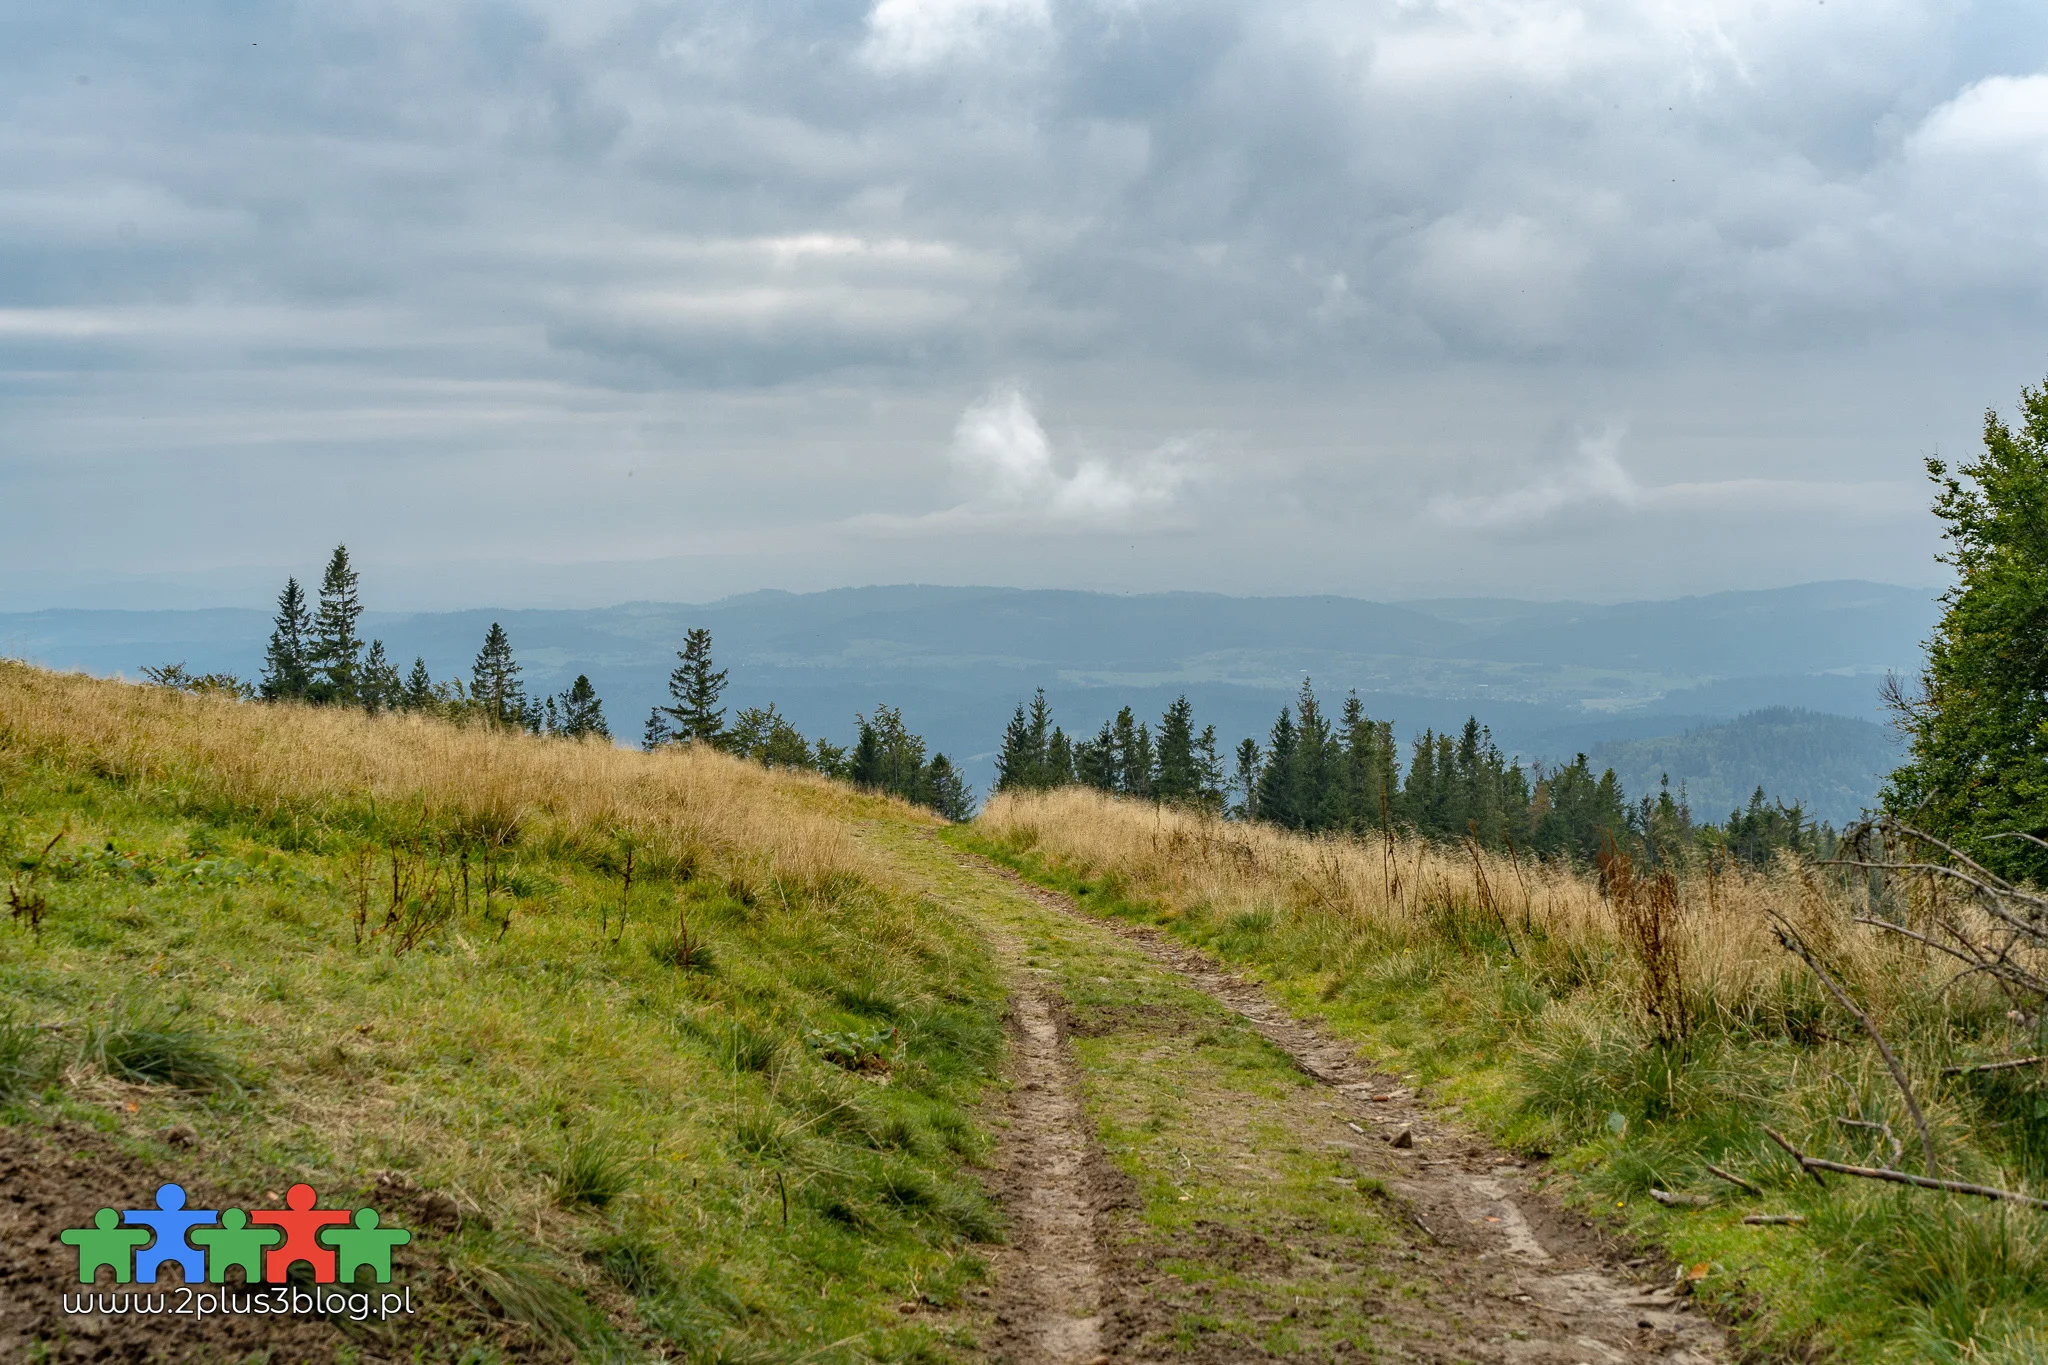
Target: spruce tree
656, 733
287, 673
1059, 759
945, 793
419, 686
581, 714
1016, 765
1095, 762
336, 652
1246, 778
1318, 794
1276, 793
379, 688
1208, 770
864, 769
494, 687
1131, 751
694, 686
1175, 776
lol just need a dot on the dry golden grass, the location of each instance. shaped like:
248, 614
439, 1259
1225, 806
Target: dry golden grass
679, 807
1373, 895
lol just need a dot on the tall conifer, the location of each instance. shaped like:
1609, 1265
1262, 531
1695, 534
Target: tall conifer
494, 686
287, 673
694, 686
336, 651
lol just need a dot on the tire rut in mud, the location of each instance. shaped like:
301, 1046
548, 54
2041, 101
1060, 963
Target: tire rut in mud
1055, 1185
1535, 1282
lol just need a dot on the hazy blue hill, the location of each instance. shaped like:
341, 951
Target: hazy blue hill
1550, 678
1809, 628
1832, 765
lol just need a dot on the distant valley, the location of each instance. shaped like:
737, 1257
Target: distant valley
1644, 686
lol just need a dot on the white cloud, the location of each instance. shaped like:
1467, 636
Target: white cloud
2002, 116
1594, 475
1594, 478
1003, 455
911, 35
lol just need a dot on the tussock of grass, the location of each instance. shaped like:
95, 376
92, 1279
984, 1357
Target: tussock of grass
26, 1061
1639, 1042
158, 1049
595, 1169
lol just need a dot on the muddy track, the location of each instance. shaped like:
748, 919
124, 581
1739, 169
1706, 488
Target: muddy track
1053, 1183
1534, 1282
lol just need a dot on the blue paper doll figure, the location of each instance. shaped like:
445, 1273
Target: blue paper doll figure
170, 1218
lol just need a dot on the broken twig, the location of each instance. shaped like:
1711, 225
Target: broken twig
1680, 1201
1733, 1179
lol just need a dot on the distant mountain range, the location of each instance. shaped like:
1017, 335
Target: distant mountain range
1549, 678
1831, 765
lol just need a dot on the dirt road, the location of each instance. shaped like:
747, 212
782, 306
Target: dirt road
1194, 1175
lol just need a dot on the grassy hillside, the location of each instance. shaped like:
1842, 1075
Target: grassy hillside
719, 1112
1831, 765
1639, 1055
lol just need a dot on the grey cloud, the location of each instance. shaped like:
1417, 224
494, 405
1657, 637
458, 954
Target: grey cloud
1362, 258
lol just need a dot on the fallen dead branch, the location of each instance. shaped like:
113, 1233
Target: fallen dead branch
1733, 1179
1681, 1201
1814, 1165
2013, 1064
1775, 1220
1792, 943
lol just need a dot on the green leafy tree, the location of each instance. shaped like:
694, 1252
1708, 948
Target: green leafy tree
336, 652
494, 687
287, 671
694, 687
1977, 770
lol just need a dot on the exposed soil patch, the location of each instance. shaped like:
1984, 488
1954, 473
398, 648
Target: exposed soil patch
1504, 1273
53, 1179
1049, 1175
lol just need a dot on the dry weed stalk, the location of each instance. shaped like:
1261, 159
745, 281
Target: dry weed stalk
1646, 913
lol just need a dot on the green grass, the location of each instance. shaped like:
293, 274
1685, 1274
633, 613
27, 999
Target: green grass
1878, 1273
631, 1128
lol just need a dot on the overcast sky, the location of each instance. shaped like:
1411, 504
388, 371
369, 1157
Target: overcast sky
578, 303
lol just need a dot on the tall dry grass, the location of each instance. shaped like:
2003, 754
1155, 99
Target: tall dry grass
681, 808
1368, 897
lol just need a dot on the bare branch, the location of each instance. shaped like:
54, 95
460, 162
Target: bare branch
1789, 937
1797, 1155
1734, 1179
1775, 1220
2012, 1065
